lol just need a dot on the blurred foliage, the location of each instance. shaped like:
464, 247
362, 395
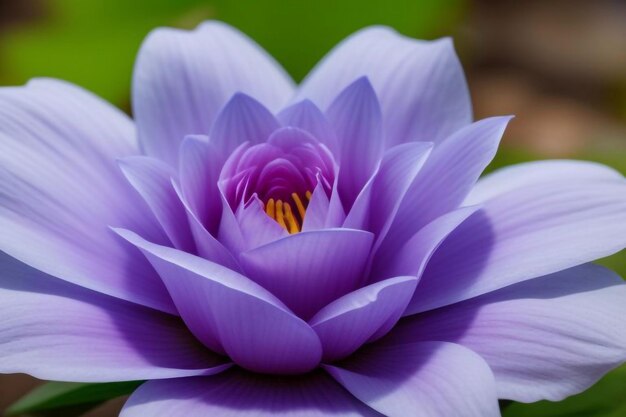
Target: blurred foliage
68, 398
93, 43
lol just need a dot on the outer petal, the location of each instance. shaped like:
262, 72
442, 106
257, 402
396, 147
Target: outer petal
525, 234
60, 189
182, 79
310, 269
54, 330
537, 173
361, 316
235, 393
231, 314
448, 175
421, 86
546, 338
428, 379
152, 180
356, 118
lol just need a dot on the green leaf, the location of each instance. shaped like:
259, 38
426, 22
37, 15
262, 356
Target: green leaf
78, 396
605, 399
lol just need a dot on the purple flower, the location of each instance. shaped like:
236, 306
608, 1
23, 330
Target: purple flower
251, 247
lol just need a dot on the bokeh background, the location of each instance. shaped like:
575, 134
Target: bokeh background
559, 65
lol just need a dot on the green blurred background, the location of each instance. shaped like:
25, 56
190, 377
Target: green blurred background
560, 66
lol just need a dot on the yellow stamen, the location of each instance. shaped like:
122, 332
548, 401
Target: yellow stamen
294, 227
280, 215
270, 209
299, 205
284, 215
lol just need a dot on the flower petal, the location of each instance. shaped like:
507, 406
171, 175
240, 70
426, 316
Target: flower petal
537, 173
356, 118
523, 234
413, 256
376, 206
257, 228
231, 314
546, 338
152, 180
229, 233
199, 171
446, 178
183, 78
421, 86
60, 189
237, 393
431, 379
243, 119
55, 330
361, 316
318, 210
310, 269
207, 245
305, 115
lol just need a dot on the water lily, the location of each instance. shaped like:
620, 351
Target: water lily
252, 247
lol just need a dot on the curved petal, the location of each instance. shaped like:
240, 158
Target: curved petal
538, 173
356, 118
377, 205
243, 119
318, 209
310, 269
58, 331
413, 256
199, 171
231, 314
421, 86
305, 115
526, 233
547, 338
229, 232
446, 178
235, 393
257, 228
152, 180
207, 245
361, 316
183, 78
60, 189
432, 379
336, 214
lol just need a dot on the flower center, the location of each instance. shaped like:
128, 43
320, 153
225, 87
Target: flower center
280, 174
289, 219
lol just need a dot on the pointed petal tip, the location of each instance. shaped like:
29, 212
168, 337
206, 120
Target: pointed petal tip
239, 99
363, 83
499, 123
